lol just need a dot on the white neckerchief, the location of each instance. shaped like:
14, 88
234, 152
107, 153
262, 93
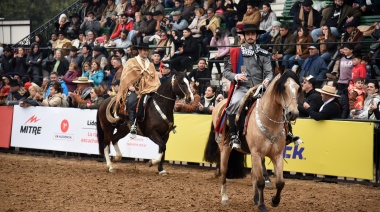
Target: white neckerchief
325, 103
145, 65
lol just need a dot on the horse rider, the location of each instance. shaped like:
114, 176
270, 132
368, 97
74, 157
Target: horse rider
139, 77
252, 67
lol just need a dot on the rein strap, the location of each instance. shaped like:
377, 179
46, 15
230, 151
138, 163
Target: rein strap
163, 116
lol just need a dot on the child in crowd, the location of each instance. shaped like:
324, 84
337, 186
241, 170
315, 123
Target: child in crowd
365, 61
356, 96
358, 69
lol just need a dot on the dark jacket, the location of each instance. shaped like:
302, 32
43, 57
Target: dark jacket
206, 108
298, 23
347, 11
19, 64
314, 99
287, 49
62, 67
6, 63
147, 27
332, 110
190, 47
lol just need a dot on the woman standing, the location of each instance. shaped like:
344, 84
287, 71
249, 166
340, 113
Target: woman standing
96, 73
220, 40
19, 62
33, 61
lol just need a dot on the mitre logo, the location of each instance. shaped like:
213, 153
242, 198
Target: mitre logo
31, 128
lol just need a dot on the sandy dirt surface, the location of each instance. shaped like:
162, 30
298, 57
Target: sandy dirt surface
41, 183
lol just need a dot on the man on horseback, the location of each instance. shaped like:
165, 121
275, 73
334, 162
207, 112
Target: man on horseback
139, 77
249, 65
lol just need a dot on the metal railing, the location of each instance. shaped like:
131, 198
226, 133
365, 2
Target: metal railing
47, 28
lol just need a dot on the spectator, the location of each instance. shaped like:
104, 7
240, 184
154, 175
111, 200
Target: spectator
207, 103
35, 93
358, 69
307, 17
287, 49
356, 96
131, 9
302, 50
85, 8
156, 60
62, 25
90, 23
158, 16
86, 54
125, 23
136, 27
108, 14
6, 60
344, 67
45, 85
97, 54
266, 21
122, 42
5, 88
74, 27
372, 98
15, 95
252, 16
219, 10
187, 54
40, 40
354, 35
327, 48
184, 107
335, 17
147, 28
219, 40
167, 47
229, 14
80, 41
330, 109
82, 93
202, 76
311, 96
74, 57
54, 78
366, 63
178, 22
314, 65
145, 8
103, 41
117, 65
121, 54
55, 98
98, 7
53, 41
60, 64
175, 38
19, 62
209, 28
115, 88
121, 7
96, 74
165, 73
71, 75
33, 60
63, 43
188, 9
156, 6
86, 69
178, 6
271, 36
90, 38
95, 100
196, 24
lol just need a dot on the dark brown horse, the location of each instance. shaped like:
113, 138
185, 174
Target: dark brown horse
265, 136
157, 124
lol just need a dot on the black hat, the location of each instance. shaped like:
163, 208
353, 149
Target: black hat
350, 24
74, 15
307, 3
14, 83
15, 74
253, 27
97, 48
74, 49
143, 46
348, 46
149, 13
157, 12
116, 82
9, 77
311, 80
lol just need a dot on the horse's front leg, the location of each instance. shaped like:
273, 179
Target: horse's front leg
280, 183
161, 170
258, 181
108, 159
224, 155
161, 149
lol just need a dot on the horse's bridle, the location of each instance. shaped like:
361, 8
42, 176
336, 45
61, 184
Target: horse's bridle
173, 80
285, 106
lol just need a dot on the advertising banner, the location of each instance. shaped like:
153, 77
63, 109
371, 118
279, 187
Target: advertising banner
6, 114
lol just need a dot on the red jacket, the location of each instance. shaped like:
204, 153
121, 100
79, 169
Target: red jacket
128, 26
358, 71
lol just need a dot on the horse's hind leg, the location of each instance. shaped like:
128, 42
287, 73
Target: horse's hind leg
224, 155
108, 159
121, 133
258, 181
280, 183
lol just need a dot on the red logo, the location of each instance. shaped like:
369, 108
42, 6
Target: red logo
32, 119
64, 125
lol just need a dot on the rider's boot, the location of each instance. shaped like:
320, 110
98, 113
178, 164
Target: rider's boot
132, 121
234, 139
291, 138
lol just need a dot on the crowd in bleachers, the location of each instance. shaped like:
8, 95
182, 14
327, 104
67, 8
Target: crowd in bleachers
81, 63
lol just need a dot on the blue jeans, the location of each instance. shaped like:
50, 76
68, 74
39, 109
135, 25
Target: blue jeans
326, 56
318, 32
286, 62
292, 61
262, 37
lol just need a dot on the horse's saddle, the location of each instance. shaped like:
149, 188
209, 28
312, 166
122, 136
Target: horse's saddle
142, 104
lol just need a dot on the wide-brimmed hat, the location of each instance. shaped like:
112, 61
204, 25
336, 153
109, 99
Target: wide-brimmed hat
82, 80
175, 13
252, 27
329, 90
142, 46
307, 3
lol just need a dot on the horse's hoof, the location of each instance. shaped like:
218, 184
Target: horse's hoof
273, 203
150, 163
268, 184
117, 158
262, 208
112, 170
225, 202
163, 173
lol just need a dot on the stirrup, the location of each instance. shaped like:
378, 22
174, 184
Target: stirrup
297, 140
235, 142
133, 131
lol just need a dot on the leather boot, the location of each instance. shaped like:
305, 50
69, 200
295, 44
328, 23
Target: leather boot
132, 121
234, 139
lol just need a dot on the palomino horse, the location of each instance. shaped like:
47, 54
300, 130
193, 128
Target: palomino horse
157, 124
265, 136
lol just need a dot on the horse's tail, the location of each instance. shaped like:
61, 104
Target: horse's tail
100, 135
212, 153
236, 165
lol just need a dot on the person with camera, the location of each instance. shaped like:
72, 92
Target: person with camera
90, 23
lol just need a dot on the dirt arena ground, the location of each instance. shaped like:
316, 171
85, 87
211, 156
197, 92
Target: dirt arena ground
41, 183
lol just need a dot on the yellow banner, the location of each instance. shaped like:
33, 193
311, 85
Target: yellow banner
339, 148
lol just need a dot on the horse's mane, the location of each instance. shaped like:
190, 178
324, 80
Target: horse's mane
279, 83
